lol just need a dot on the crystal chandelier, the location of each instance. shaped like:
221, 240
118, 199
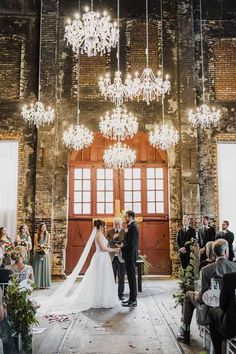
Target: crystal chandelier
163, 136
38, 114
93, 34
77, 137
119, 156
120, 125
117, 92
205, 116
148, 86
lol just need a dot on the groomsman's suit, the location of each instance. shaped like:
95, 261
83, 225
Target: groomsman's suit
185, 234
118, 263
205, 235
130, 255
228, 236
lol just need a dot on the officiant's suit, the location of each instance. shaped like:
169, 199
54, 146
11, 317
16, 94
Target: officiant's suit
130, 255
118, 263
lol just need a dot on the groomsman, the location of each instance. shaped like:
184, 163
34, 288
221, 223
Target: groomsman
185, 234
116, 235
206, 233
228, 236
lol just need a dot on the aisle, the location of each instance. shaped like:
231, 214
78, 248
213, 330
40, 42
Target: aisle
144, 329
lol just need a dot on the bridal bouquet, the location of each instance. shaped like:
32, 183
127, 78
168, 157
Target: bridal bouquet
8, 247
42, 250
22, 243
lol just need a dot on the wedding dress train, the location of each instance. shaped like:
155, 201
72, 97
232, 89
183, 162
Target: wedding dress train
96, 290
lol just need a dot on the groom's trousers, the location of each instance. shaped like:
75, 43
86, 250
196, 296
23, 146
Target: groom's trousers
130, 271
119, 270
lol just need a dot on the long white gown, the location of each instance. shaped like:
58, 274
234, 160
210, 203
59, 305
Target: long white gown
96, 290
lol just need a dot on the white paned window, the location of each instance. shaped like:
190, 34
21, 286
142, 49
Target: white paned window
105, 192
82, 191
132, 189
155, 190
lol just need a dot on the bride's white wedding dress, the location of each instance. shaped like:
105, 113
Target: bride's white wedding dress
96, 290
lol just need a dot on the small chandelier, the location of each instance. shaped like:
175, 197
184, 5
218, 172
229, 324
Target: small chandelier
120, 125
37, 114
148, 86
93, 34
116, 92
77, 137
205, 117
119, 156
163, 136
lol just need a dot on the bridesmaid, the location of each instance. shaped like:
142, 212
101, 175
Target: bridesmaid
41, 263
24, 240
6, 244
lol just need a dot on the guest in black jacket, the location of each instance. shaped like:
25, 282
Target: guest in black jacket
228, 236
206, 233
223, 318
130, 255
185, 234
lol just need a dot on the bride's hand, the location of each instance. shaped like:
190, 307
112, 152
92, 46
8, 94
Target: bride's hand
116, 250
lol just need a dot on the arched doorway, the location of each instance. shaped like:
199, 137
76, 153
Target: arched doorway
97, 192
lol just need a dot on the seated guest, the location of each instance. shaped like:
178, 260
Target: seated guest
206, 233
228, 236
116, 235
210, 255
185, 234
221, 266
6, 244
223, 318
22, 270
23, 239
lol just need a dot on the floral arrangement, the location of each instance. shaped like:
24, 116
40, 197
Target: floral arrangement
42, 250
187, 276
21, 310
22, 243
146, 264
8, 247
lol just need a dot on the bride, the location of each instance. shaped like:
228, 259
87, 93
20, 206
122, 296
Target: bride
97, 288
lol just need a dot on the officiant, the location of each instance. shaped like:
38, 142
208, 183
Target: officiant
114, 236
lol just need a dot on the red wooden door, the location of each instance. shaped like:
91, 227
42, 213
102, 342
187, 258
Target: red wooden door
94, 192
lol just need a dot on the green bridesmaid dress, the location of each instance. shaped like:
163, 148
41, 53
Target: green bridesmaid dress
42, 269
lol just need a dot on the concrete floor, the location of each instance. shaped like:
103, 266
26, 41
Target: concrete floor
151, 327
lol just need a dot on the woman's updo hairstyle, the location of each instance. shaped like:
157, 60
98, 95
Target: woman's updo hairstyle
98, 224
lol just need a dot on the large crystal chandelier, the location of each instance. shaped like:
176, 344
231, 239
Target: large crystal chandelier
148, 86
119, 156
163, 136
119, 125
116, 91
38, 114
92, 34
77, 137
205, 116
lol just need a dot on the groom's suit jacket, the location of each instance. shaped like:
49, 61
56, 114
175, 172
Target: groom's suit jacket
120, 238
130, 247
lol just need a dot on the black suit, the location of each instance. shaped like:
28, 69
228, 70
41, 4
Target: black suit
228, 236
130, 255
205, 235
223, 318
183, 237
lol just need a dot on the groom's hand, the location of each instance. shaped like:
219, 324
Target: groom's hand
119, 245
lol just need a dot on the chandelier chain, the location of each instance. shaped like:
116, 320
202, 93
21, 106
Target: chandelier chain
118, 44
40, 49
162, 45
147, 35
202, 52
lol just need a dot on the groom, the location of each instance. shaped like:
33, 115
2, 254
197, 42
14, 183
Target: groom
130, 255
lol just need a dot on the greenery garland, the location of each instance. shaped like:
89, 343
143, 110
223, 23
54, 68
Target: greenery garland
21, 310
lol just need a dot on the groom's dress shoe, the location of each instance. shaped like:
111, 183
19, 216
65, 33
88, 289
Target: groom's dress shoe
130, 304
121, 297
125, 302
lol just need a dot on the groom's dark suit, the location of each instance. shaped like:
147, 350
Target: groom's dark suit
130, 255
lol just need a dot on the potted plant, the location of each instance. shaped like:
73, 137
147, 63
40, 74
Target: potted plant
21, 312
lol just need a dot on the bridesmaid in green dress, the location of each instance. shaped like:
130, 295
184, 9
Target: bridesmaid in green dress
23, 239
41, 263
